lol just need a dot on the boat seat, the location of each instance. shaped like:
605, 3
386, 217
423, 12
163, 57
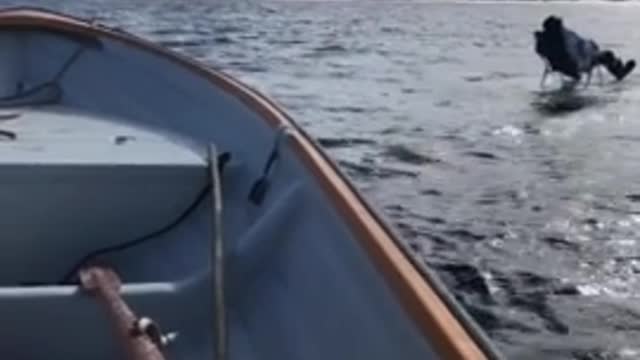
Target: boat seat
64, 322
66, 175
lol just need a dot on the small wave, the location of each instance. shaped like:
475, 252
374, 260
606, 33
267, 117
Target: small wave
465, 278
414, 234
406, 229
473, 78
344, 142
593, 223
268, 10
492, 320
496, 24
482, 155
333, 48
391, 130
598, 354
431, 192
359, 170
182, 43
396, 208
247, 66
409, 156
345, 109
529, 292
339, 65
285, 42
455, 136
304, 21
487, 201
433, 220
560, 243
389, 80
464, 234
170, 31
401, 212
444, 103
227, 29
633, 197
497, 196
415, 246
441, 59
392, 30
341, 74
250, 36
504, 75
361, 50
536, 303
599, 289
223, 40
626, 138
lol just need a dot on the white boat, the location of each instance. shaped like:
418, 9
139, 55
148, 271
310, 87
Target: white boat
154, 207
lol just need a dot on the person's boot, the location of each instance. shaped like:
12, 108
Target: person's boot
625, 70
615, 65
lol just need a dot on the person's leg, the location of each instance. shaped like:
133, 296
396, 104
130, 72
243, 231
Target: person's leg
615, 65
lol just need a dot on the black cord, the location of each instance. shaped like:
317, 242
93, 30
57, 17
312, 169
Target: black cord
261, 186
129, 244
53, 82
25, 93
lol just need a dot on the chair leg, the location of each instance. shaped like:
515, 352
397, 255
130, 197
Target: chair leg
544, 77
600, 76
588, 81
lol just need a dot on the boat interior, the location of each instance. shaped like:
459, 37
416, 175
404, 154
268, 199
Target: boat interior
113, 154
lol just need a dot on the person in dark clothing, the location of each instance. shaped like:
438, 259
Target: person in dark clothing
564, 51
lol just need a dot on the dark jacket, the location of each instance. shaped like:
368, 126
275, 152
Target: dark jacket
565, 50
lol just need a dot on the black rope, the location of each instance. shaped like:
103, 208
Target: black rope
223, 159
26, 93
129, 244
72, 59
52, 82
261, 186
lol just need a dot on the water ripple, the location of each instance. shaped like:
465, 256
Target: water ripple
404, 154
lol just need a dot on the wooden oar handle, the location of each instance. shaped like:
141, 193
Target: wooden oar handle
105, 284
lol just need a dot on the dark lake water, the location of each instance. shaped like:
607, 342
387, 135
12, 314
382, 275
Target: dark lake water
530, 212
